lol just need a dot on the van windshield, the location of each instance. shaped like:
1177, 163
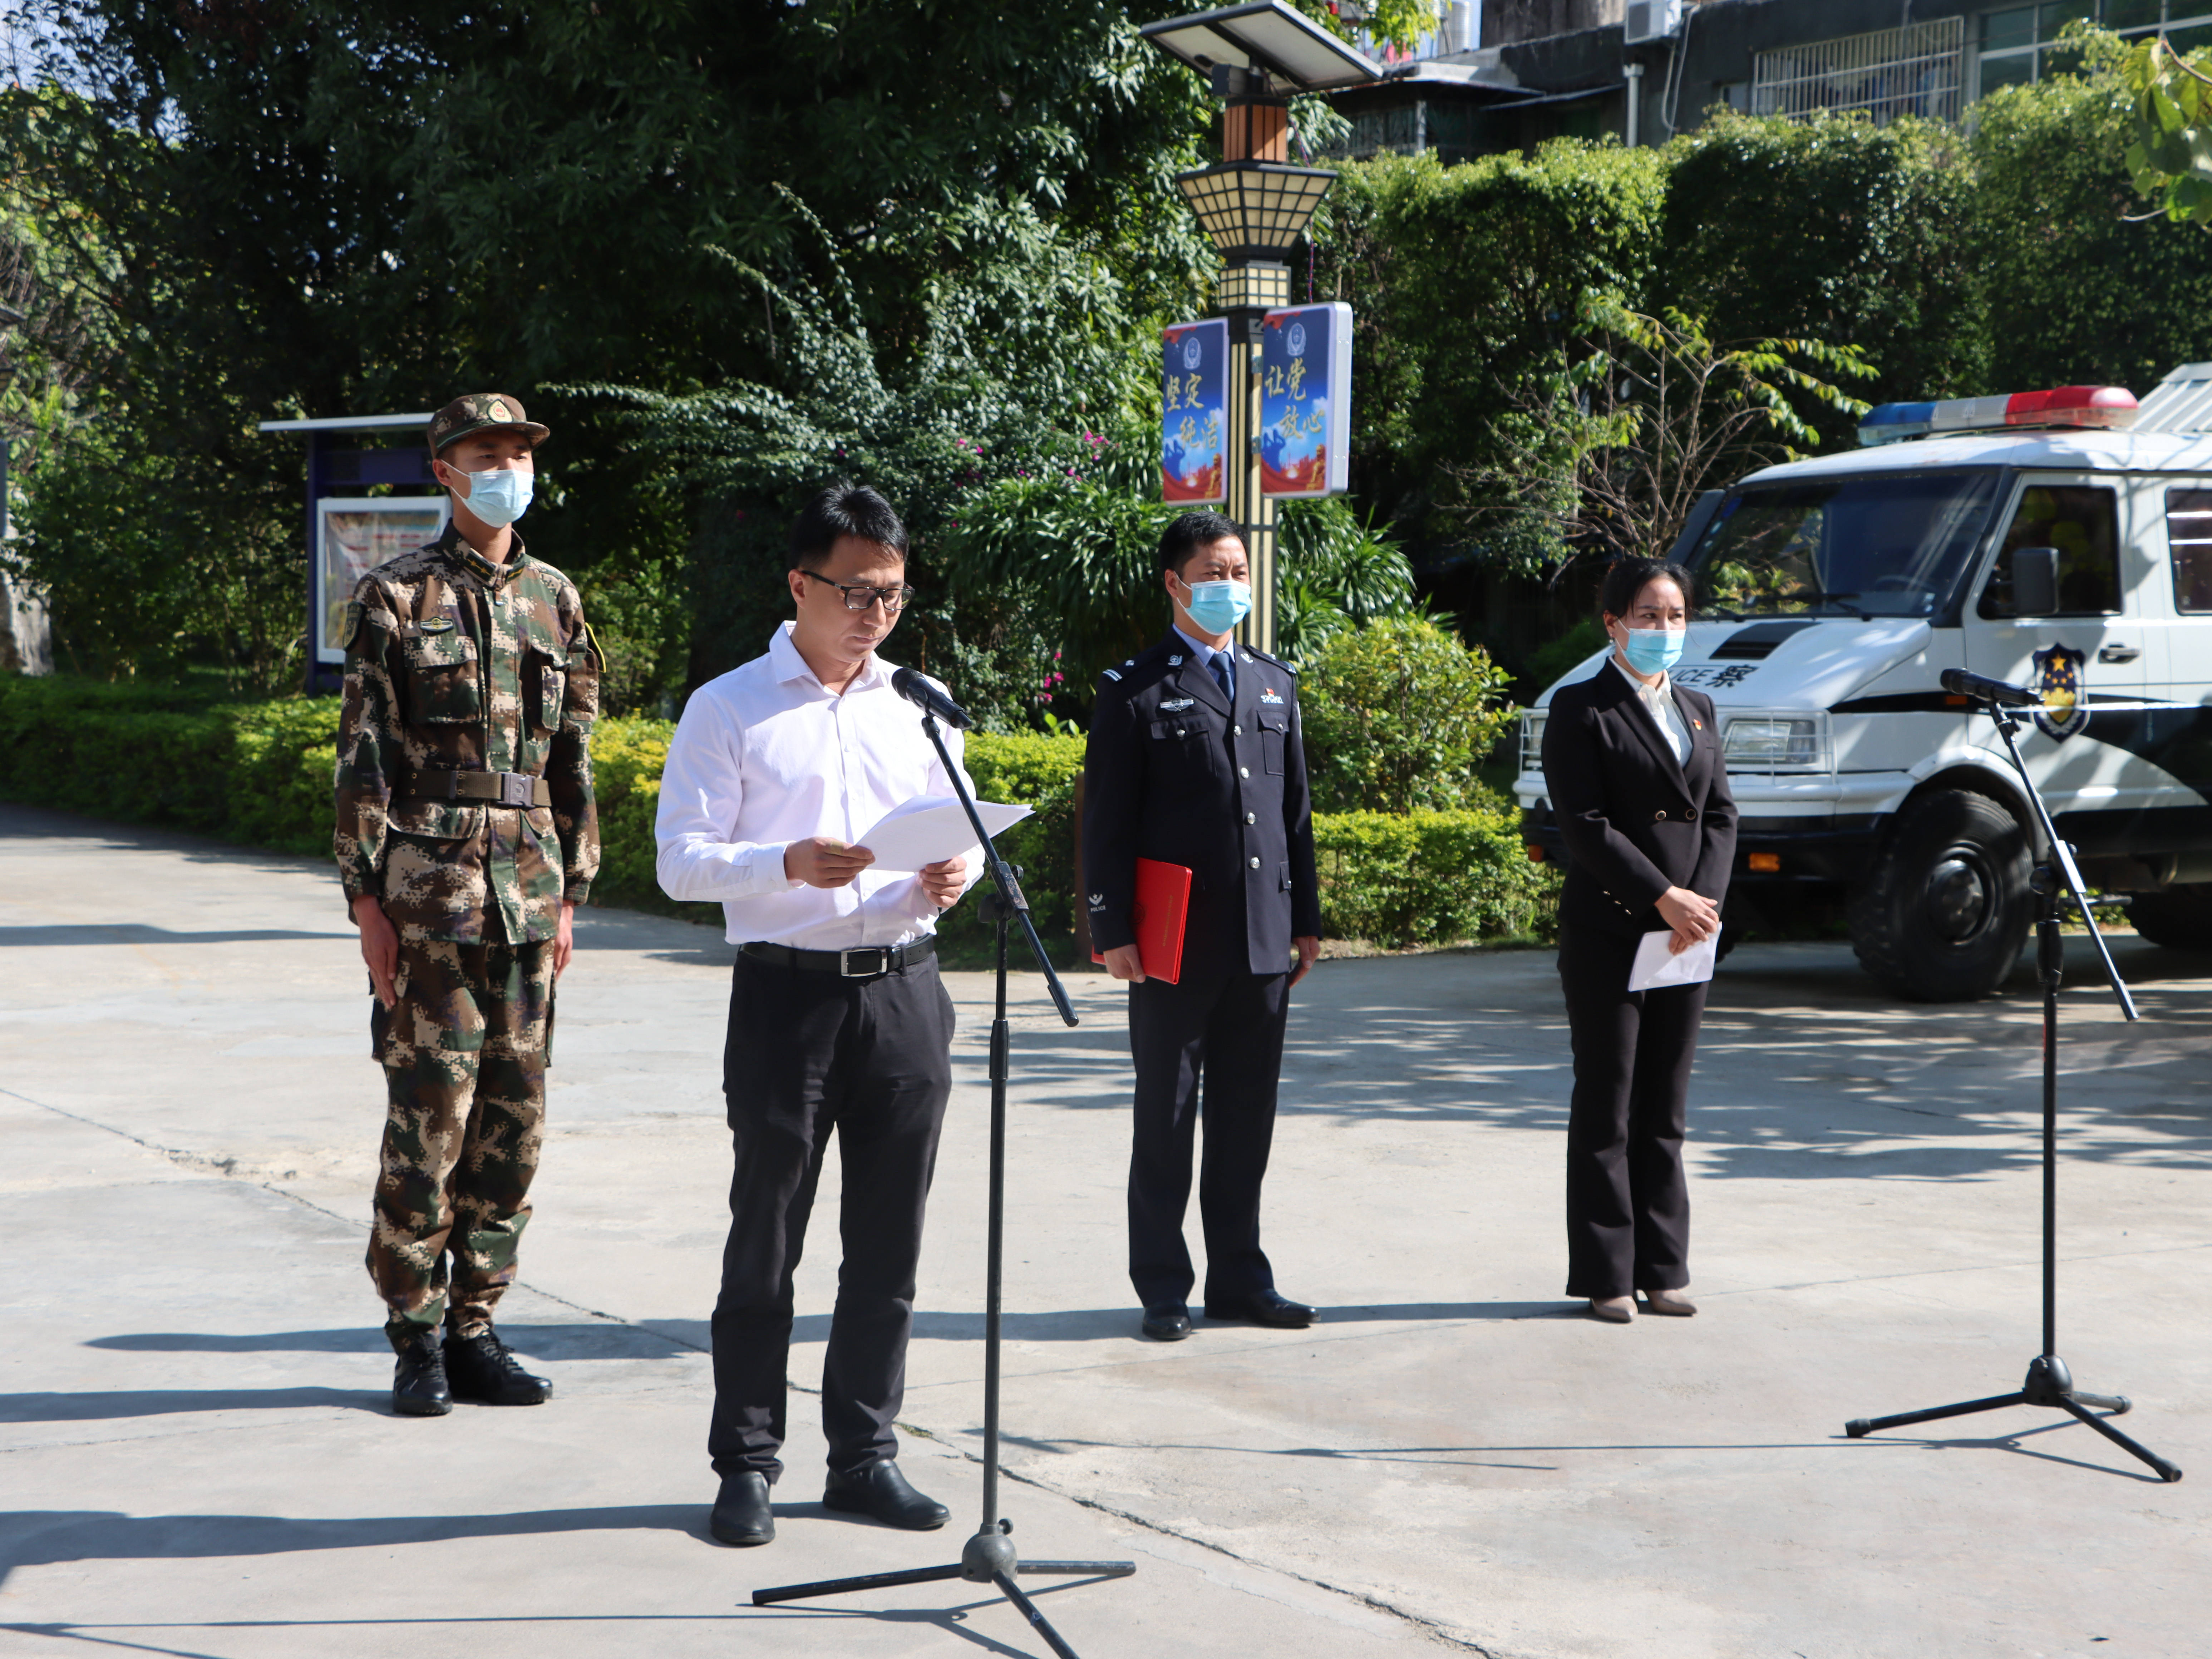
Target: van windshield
1890, 544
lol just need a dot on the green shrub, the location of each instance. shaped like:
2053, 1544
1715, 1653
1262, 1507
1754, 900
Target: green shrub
1397, 716
628, 753
1039, 771
1431, 878
255, 771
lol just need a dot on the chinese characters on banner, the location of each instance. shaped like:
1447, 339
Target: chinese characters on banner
1305, 400
1194, 410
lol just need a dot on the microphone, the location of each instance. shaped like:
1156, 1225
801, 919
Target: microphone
1982, 688
916, 690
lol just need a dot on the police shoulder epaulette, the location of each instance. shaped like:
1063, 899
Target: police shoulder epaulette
1288, 668
1112, 673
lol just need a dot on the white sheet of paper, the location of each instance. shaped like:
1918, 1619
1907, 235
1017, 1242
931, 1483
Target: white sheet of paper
1655, 966
930, 828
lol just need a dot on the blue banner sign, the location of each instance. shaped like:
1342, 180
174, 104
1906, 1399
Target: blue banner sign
1305, 400
1194, 411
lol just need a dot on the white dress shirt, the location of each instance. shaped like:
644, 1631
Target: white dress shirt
766, 755
1659, 703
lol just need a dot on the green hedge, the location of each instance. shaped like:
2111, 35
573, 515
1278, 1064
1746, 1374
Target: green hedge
252, 772
259, 772
1431, 878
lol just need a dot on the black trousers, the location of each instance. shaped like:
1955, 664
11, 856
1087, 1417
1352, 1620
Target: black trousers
808, 1053
1221, 1027
1628, 1203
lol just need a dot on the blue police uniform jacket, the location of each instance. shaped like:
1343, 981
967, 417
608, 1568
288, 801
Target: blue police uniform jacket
1172, 772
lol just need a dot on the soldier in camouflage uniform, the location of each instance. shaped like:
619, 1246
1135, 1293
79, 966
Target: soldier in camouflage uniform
466, 836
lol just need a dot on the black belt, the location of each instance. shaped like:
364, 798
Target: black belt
500, 788
861, 962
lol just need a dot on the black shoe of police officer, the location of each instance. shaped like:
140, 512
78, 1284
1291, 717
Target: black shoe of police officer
1269, 1307
1167, 1321
419, 1388
742, 1515
878, 1489
484, 1369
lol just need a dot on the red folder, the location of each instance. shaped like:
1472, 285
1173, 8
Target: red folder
1156, 918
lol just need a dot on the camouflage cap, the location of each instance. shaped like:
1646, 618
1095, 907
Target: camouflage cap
476, 411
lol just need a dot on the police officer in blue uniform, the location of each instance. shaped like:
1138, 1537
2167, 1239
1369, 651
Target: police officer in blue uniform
1195, 758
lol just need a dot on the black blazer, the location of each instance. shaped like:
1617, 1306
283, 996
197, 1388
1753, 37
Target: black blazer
1635, 821
1172, 772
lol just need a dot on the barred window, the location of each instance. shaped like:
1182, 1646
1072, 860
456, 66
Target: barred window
1913, 71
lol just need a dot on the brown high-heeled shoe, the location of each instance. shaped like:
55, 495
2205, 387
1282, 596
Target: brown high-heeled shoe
1614, 1310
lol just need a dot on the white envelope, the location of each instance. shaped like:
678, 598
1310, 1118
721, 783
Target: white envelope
930, 828
1655, 966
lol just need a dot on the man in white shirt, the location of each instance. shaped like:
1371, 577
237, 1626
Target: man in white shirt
837, 1017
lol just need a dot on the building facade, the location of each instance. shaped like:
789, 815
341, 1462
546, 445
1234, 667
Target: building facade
1643, 70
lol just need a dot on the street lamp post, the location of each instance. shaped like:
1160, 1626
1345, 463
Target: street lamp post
1254, 206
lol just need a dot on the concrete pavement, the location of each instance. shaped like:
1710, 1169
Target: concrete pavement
196, 1457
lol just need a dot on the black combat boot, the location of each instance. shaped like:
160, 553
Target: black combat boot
419, 1388
484, 1369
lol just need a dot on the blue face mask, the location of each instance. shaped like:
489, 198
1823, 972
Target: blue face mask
1653, 650
500, 496
1217, 607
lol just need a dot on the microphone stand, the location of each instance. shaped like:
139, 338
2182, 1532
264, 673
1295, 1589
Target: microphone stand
2049, 1383
989, 1557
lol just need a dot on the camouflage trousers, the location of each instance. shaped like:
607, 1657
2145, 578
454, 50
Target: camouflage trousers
464, 1051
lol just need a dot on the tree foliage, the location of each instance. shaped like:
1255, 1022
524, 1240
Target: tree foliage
1612, 448
2081, 286
1831, 230
1461, 277
2168, 130
323, 208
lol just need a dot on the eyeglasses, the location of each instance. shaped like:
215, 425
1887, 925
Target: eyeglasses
859, 597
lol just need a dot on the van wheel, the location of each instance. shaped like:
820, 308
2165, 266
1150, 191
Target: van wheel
2180, 921
1942, 914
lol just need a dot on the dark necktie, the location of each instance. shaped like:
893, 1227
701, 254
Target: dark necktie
1219, 662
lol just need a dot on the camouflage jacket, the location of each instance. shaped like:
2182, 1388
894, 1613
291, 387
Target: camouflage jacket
456, 664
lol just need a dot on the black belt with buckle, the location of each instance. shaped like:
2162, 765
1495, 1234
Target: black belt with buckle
861, 962
499, 789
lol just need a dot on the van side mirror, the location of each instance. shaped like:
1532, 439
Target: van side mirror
2035, 581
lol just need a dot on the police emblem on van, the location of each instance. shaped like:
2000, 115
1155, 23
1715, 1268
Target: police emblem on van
2065, 700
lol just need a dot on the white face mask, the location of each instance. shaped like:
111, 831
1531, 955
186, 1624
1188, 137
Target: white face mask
499, 496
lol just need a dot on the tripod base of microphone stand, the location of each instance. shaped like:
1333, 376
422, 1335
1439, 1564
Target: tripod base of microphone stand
989, 1558
2049, 1384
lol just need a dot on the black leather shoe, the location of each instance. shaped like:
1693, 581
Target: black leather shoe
483, 1368
419, 1388
1167, 1321
880, 1490
741, 1513
1267, 1308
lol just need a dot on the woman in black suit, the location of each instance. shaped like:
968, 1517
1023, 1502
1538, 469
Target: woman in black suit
1633, 765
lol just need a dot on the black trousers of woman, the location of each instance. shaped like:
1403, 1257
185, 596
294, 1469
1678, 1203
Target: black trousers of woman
1628, 1203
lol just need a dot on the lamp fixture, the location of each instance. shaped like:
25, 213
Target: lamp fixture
1254, 209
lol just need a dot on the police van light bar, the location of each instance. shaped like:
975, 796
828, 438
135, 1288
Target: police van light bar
2111, 407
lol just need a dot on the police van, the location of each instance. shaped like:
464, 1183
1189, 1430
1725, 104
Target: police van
2060, 540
